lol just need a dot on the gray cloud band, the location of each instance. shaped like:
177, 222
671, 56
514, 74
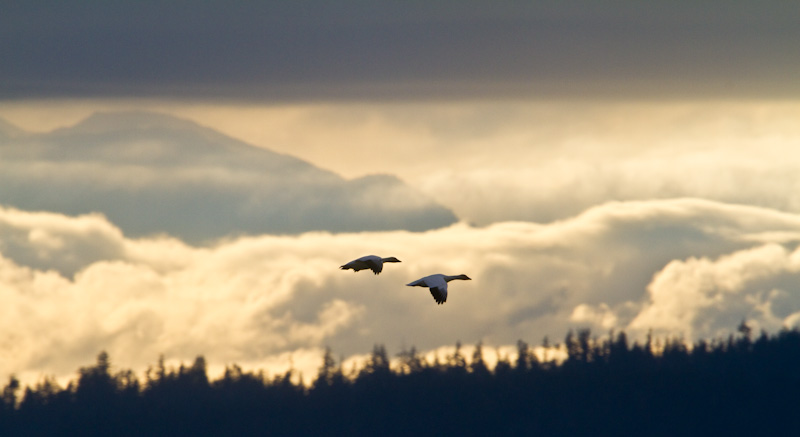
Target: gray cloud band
387, 51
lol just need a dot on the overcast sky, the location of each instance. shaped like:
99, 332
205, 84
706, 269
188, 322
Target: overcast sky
611, 165
398, 50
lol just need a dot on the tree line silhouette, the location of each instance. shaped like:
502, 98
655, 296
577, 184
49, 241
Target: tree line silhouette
739, 386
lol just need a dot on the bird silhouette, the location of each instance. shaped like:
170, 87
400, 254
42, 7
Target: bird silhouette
372, 262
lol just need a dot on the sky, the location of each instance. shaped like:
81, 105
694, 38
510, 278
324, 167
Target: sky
394, 50
186, 179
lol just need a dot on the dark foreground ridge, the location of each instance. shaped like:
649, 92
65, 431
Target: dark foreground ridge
738, 386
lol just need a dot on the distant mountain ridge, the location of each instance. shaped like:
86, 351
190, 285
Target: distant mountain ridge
8, 130
151, 173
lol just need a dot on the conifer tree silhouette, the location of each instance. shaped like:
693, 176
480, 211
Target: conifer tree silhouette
723, 386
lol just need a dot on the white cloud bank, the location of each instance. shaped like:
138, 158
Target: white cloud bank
72, 286
701, 296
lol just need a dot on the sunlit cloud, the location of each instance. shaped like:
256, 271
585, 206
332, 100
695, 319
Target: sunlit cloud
539, 161
588, 175
496, 160
704, 296
685, 265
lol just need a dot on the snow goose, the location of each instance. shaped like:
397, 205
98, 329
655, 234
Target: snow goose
438, 285
372, 262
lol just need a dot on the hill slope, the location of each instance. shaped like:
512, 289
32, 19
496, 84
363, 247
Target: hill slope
152, 173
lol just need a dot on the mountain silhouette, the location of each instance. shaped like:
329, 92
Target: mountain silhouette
151, 173
8, 130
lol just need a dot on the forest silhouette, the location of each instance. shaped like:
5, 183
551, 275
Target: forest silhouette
735, 386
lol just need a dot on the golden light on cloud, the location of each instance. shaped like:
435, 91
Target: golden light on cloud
513, 160
256, 300
595, 180
614, 215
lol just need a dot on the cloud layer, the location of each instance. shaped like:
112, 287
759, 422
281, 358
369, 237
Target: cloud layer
543, 160
71, 286
537, 161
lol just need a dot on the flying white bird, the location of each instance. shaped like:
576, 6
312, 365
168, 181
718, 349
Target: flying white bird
372, 262
438, 285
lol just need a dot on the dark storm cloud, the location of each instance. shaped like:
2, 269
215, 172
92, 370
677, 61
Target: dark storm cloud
309, 49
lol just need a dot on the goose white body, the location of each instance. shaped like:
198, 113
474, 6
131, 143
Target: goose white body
437, 284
